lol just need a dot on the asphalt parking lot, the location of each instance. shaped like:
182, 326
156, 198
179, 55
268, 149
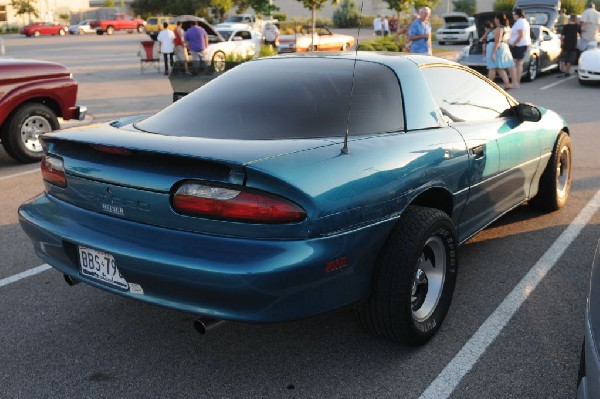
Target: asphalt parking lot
514, 329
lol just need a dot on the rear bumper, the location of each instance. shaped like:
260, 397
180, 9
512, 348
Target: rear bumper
221, 277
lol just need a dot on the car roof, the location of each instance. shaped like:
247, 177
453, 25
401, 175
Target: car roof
392, 59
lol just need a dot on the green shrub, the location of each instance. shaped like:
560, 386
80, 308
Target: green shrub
367, 20
504, 5
573, 6
365, 46
267, 51
346, 15
467, 6
279, 16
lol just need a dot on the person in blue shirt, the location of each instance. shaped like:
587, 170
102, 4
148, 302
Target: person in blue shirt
197, 41
419, 33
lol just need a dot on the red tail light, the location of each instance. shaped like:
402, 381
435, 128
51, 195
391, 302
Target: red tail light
235, 204
53, 170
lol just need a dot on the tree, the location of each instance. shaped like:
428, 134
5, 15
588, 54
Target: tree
573, 6
467, 6
426, 3
108, 3
346, 15
504, 5
399, 5
24, 7
222, 6
315, 5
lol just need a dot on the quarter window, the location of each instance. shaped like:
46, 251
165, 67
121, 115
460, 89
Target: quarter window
463, 96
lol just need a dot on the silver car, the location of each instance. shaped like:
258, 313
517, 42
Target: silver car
589, 366
82, 28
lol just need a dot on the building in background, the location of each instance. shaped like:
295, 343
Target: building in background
48, 11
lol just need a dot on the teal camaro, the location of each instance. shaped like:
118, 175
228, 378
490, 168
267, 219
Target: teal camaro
326, 181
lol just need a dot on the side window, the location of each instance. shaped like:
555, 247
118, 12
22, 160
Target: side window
463, 96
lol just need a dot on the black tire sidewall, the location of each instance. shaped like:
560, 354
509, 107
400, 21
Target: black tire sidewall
11, 135
424, 330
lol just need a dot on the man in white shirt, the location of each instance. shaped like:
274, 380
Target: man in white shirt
270, 34
519, 42
378, 25
166, 38
589, 26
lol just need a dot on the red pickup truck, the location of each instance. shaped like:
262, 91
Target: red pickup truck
118, 22
33, 94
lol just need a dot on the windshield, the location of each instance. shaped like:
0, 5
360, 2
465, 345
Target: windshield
234, 18
225, 33
537, 18
283, 98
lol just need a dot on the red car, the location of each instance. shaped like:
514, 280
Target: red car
44, 28
33, 94
118, 22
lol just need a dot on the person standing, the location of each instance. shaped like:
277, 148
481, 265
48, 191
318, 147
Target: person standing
377, 25
270, 34
394, 25
180, 51
589, 26
386, 26
166, 39
562, 20
419, 33
569, 38
196, 40
520, 40
498, 56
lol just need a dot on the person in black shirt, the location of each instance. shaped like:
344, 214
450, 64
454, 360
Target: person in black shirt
569, 37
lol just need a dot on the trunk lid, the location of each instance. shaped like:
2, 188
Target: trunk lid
123, 172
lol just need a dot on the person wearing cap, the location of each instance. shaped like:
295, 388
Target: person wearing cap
270, 34
589, 26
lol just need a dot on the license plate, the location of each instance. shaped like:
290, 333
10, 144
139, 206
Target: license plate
101, 266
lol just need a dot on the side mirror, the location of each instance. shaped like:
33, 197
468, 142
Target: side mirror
528, 112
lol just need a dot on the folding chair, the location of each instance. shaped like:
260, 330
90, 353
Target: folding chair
149, 56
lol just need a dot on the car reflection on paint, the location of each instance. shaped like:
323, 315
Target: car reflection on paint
351, 184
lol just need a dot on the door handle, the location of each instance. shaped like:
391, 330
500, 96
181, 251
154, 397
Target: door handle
478, 151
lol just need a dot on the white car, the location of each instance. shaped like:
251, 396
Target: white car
588, 69
458, 27
82, 28
240, 43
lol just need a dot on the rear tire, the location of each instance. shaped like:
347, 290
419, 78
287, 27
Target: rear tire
471, 39
20, 136
532, 69
413, 279
36, 33
218, 61
555, 183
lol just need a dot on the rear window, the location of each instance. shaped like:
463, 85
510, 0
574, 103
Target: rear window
152, 21
288, 98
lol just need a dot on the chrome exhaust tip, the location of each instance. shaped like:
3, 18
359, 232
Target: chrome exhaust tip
70, 280
204, 324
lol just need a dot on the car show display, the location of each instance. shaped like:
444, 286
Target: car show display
347, 185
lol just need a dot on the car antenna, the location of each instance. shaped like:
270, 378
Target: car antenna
345, 149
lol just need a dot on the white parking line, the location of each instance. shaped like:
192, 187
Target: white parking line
445, 383
558, 82
19, 174
25, 274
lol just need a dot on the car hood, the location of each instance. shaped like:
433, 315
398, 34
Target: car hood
455, 18
13, 69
